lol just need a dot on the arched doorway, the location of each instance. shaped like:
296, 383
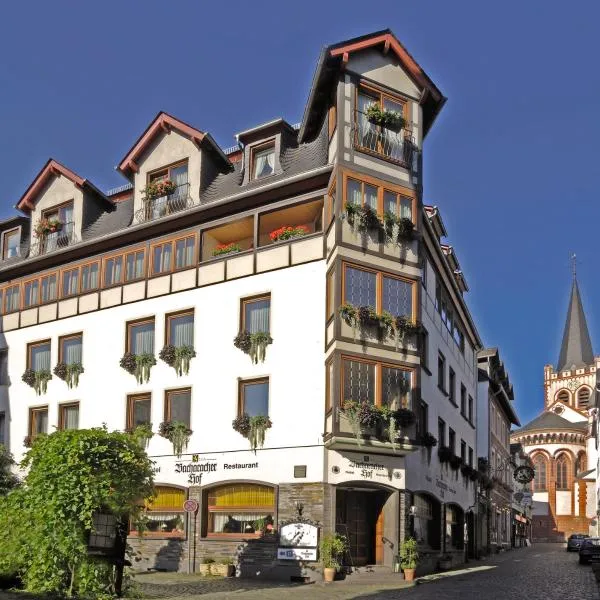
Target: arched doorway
368, 517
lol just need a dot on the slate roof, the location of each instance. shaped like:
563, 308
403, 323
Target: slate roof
109, 222
551, 421
576, 349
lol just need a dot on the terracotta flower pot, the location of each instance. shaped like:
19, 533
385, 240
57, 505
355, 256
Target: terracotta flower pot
409, 574
328, 574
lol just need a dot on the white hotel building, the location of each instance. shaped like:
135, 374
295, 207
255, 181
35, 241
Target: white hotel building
135, 269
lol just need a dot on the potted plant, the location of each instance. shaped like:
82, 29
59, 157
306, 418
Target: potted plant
331, 547
361, 415
69, 373
38, 380
406, 230
206, 565
138, 365
231, 248
455, 462
46, 226
404, 326
142, 434
287, 233
388, 119
253, 429
253, 344
428, 440
158, 189
409, 558
177, 433
178, 357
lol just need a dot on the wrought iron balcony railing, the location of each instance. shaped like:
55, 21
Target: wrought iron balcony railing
157, 208
54, 241
398, 147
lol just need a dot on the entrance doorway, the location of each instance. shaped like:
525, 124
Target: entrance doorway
360, 517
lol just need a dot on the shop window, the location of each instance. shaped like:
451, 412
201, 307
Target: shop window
256, 314
292, 222
180, 329
68, 416
165, 517
178, 405
240, 509
254, 397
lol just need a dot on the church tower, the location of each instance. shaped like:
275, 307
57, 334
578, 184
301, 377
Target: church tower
558, 441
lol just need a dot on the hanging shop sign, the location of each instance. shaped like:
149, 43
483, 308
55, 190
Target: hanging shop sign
524, 474
352, 466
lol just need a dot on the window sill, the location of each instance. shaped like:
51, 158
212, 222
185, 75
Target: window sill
157, 535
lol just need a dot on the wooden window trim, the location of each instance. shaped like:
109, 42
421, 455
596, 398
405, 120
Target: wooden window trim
57, 207
33, 411
173, 243
6, 234
379, 366
242, 383
248, 300
130, 324
105, 260
167, 403
379, 285
330, 294
5, 289
57, 296
131, 400
258, 148
174, 315
69, 336
32, 345
329, 401
22, 299
135, 251
39, 279
97, 261
381, 186
332, 120
168, 169
64, 272
61, 415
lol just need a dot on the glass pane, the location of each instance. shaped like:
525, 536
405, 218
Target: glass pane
41, 421
256, 399
31, 293
65, 214
364, 101
180, 406
361, 287
244, 494
12, 298
184, 253
11, 242
89, 277
396, 384
70, 417
406, 207
371, 196
359, 381
179, 176
264, 162
256, 315
49, 288
162, 258
113, 273
40, 357
167, 498
389, 202
70, 282
141, 338
354, 192
141, 412
71, 350
237, 522
134, 267
389, 104
181, 330
397, 297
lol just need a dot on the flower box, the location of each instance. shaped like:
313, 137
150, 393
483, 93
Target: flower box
158, 189
287, 233
226, 249
45, 227
388, 119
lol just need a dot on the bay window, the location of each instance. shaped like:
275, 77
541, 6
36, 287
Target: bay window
166, 258
241, 508
180, 329
140, 336
256, 314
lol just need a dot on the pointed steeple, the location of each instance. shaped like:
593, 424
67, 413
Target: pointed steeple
576, 348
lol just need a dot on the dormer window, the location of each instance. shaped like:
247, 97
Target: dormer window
10, 244
167, 191
263, 160
56, 228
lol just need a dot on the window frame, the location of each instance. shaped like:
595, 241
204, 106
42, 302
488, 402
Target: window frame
32, 345
5, 235
441, 382
463, 400
33, 412
61, 415
162, 509
56, 209
470, 411
131, 400
130, 324
174, 315
69, 336
173, 243
271, 143
39, 279
167, 402
5, 289
329, 206
242, 383
442, 430
155, 173
452, 386
452, 439
248, 300
330, 294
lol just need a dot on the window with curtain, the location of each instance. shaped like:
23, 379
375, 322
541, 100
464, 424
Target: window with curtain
358, 381
254, 397
39, 356
164, 513
397, 204
397, 296
31, 293
539, 481
184, 252
361, 193
360, 287
11, 243
242, 508
138, 410
89, 277
562, 473
69, 416
12, 298
395, 388
179, 176
178, 405
70, 282
113, 270
367, 132
70, 349
134, 265
256, 314
48, 288
38, 421
180, 329
161, 257
263, 160
140, 337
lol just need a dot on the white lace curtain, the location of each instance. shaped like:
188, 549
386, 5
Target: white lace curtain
89, 277
162, 258
142, 339
71, 417
182, 331
264, 163
40, 358
235, 522
257, 316
184, 253
72, 351
49, 288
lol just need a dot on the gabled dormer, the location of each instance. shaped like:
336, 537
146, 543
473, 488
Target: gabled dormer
14, 235
168, 165
262, 149
60, 205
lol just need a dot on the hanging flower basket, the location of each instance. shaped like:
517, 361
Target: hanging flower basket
361, 416
142, 434
138, 365
253, 344
178, 357
232, 248
428, 440
69, 373
252, 428
45, 227
38, 380
177, 433
287, 233
405, 417
388, 119
159, 189
445, 454
455, 462
363, 218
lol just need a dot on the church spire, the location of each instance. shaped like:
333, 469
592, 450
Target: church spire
576, 349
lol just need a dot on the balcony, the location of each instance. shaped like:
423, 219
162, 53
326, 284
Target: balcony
157, 208
54, 241
398, 147
341, 436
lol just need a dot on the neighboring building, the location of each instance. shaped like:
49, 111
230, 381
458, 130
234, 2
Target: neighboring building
202, 244
495, 416
521, 500
559, 442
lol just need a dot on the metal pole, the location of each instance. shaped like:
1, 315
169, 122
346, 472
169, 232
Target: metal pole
194, 565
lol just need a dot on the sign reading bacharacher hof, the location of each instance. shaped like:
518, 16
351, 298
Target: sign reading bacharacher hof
298, 541
355, 466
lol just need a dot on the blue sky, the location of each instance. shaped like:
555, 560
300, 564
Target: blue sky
512, 161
